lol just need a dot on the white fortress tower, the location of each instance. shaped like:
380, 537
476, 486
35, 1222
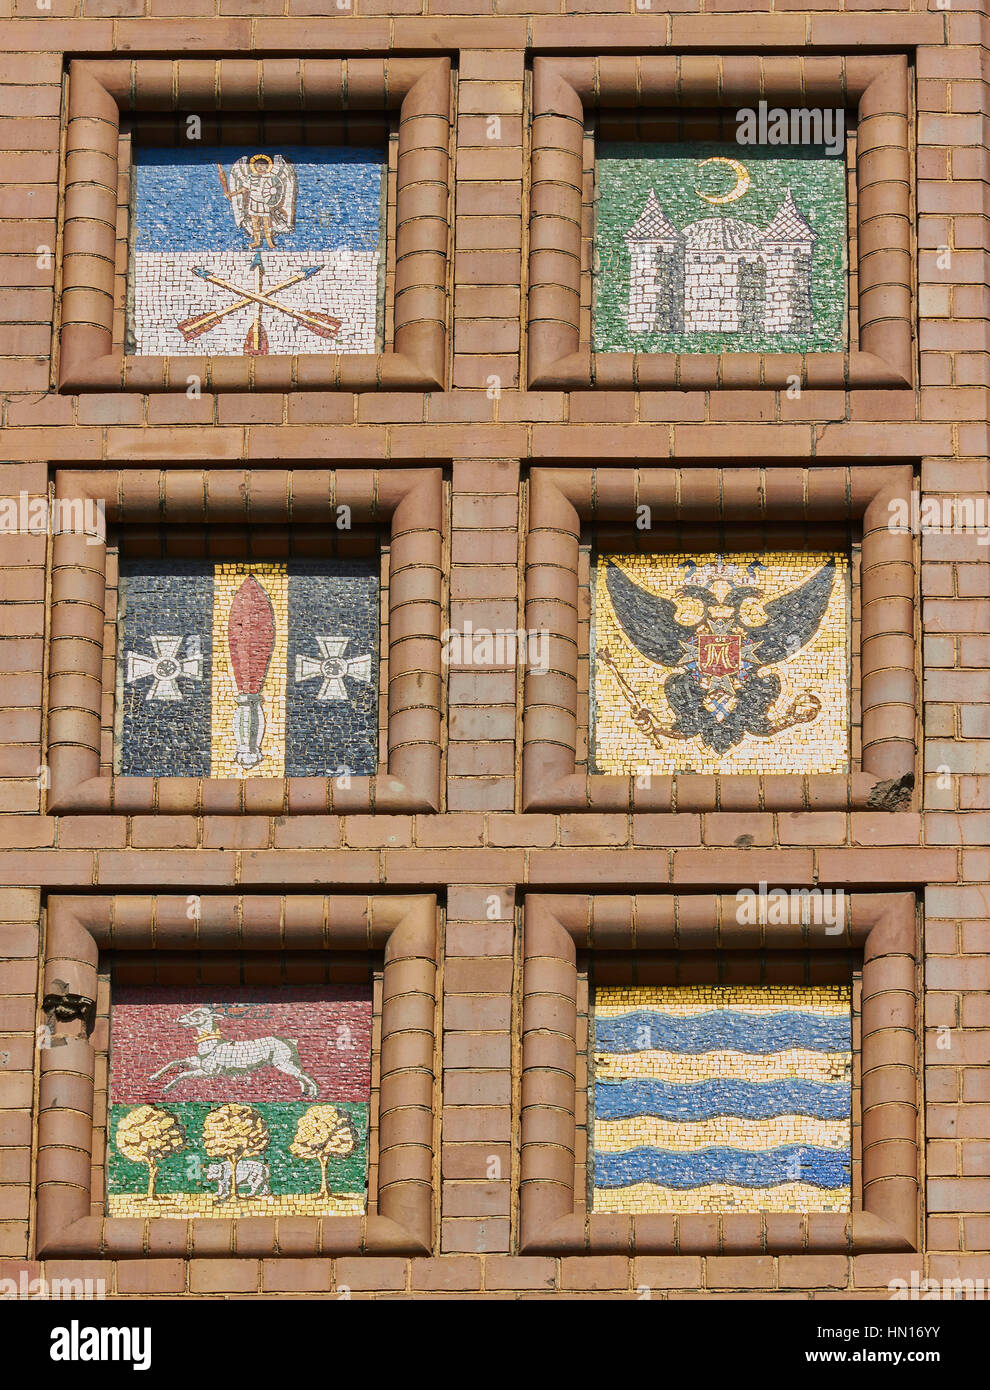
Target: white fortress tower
656, 249
720, 274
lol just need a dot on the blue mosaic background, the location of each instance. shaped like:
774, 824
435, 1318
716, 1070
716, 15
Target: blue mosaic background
341, 599
173, 598
180, 205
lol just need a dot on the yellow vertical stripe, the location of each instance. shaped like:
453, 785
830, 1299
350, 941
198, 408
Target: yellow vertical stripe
227, 579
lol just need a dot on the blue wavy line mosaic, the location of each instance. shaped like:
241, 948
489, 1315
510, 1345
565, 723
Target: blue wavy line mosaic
710, 1099
750, 1100
706, 1032
823, 1167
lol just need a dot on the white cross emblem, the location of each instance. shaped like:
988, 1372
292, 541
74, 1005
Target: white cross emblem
165, 667
333, 667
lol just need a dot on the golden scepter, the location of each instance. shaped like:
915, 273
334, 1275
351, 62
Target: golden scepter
642, 716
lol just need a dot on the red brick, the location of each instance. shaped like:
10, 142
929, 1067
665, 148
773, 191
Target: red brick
594, 1272
455, 1273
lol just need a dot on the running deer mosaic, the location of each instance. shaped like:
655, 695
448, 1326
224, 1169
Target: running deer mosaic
239, 1101
257, 251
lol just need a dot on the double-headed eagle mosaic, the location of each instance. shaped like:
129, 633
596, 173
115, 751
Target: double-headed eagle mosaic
719, 640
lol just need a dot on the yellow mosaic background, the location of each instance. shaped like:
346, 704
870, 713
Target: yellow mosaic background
192, 1204
716, 1199
725, 1131
228, 578
820, 668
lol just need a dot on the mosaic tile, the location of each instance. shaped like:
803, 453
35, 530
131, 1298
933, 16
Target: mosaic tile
714, 1099
241, 250
239, 1100
720, 664
719, 247
248, 669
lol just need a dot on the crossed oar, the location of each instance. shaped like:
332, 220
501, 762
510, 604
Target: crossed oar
322, 324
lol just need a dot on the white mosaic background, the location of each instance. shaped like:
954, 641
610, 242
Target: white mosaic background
166, 291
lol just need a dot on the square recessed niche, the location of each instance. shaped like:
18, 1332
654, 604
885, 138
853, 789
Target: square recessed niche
291, 1036
226, 647
694, 1084
256, 225
752, 646
666, 252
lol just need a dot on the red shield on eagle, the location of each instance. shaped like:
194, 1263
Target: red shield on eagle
718, 654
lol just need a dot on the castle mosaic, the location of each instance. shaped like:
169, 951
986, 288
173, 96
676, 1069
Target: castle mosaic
721, 1099
705, 247
239, 1101
248, 670
256, 251
720, 664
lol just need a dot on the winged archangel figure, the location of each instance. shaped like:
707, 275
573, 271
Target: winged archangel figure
262, 196
720, 687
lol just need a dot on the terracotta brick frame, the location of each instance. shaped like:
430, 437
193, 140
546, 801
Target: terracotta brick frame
409, 501
92, 357
560, 499
556, 927
405, 929
565, 89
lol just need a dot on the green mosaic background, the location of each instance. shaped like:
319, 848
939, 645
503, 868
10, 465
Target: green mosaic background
180, 1173
625, 174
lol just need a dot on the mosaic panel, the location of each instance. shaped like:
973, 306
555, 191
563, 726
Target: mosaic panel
248, 670
241, 250
239, 1101
710, 663
721, 1099
719, 247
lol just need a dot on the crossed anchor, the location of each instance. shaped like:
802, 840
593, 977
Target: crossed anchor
256, 342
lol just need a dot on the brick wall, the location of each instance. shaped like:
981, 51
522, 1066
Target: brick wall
482, 852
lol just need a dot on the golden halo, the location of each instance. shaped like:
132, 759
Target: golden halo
742, 180
257, 158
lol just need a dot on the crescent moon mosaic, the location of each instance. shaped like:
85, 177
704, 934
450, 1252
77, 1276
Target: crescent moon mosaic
734, 194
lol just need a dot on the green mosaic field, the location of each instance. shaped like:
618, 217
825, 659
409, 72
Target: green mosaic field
184, 1171
625, 175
